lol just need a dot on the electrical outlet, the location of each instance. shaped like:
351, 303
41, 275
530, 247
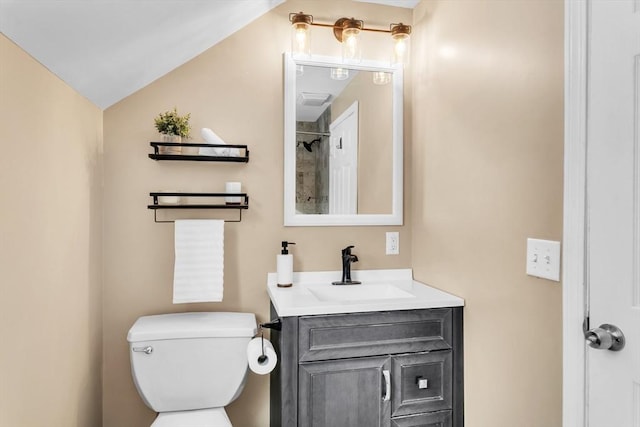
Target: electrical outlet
543, 259
393, 243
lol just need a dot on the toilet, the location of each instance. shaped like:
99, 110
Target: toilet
189, 366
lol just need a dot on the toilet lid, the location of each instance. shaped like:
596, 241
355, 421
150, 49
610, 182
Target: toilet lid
192, 325
214, 417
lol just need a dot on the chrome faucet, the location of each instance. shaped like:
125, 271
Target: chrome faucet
347, 259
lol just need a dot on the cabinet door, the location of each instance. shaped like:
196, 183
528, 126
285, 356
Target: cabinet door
345, 393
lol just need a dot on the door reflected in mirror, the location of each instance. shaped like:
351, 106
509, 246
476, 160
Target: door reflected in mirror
343, 143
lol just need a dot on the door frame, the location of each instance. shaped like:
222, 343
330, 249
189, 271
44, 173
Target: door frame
574, 291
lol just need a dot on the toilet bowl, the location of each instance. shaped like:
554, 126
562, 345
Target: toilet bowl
189, 366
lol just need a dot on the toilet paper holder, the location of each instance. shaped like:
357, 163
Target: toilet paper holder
274, 324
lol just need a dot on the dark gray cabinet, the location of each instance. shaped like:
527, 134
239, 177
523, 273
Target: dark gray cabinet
387, 369
346, 393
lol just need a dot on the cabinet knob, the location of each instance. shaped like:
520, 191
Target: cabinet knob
422, 382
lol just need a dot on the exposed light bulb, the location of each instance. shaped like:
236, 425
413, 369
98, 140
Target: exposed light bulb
351, 51
352, 41
401, 50
350, 47
301, 38
401, 47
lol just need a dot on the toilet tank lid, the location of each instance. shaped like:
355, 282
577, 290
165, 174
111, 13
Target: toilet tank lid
192, 325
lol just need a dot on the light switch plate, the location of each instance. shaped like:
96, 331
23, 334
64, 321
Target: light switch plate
543, 259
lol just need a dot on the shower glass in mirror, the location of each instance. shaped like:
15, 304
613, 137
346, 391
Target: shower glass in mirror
343, 143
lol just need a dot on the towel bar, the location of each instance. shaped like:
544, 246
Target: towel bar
244, 204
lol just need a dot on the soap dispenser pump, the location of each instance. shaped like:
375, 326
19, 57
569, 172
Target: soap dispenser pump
285, 266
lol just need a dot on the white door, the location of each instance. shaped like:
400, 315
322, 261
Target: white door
613, 209
343, 163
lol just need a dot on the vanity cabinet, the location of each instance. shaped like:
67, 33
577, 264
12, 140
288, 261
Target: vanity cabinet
390, 369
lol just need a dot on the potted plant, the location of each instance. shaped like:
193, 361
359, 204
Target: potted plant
173, 127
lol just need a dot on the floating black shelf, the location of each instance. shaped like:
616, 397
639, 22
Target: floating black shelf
197, 157
244, 204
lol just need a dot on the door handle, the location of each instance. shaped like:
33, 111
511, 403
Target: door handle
387, 386
605, 337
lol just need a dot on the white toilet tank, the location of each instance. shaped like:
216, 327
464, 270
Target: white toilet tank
187, 361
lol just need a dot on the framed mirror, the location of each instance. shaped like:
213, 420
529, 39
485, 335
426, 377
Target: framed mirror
343, 147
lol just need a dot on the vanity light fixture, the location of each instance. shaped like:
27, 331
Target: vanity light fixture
347, 32
339, 73
381, 78
300, 34
400, 35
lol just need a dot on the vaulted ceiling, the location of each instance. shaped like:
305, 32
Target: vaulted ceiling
108, 49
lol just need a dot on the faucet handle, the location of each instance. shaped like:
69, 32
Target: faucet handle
347, 250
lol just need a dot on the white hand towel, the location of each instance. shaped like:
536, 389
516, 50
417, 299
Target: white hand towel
211, 137
199, 264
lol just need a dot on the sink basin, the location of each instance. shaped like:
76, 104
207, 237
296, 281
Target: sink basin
382, 290
358, 292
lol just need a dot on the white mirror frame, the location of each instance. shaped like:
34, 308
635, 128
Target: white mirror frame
291, 218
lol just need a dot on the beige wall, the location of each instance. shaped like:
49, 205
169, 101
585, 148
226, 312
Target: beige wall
50, 248
487, 174
236, 89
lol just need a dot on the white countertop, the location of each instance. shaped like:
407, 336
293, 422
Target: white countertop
381, 290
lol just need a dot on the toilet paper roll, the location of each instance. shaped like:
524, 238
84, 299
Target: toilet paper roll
254, 353
233, 187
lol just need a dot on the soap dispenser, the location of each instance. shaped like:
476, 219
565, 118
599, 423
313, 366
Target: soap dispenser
285, 266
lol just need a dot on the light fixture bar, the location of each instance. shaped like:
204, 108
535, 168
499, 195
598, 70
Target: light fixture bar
346, 31
302, 17
377, 30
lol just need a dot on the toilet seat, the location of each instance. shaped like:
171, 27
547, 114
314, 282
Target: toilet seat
212, 417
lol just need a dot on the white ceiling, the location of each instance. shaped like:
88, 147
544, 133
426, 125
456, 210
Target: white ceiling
317, 80
108, 49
